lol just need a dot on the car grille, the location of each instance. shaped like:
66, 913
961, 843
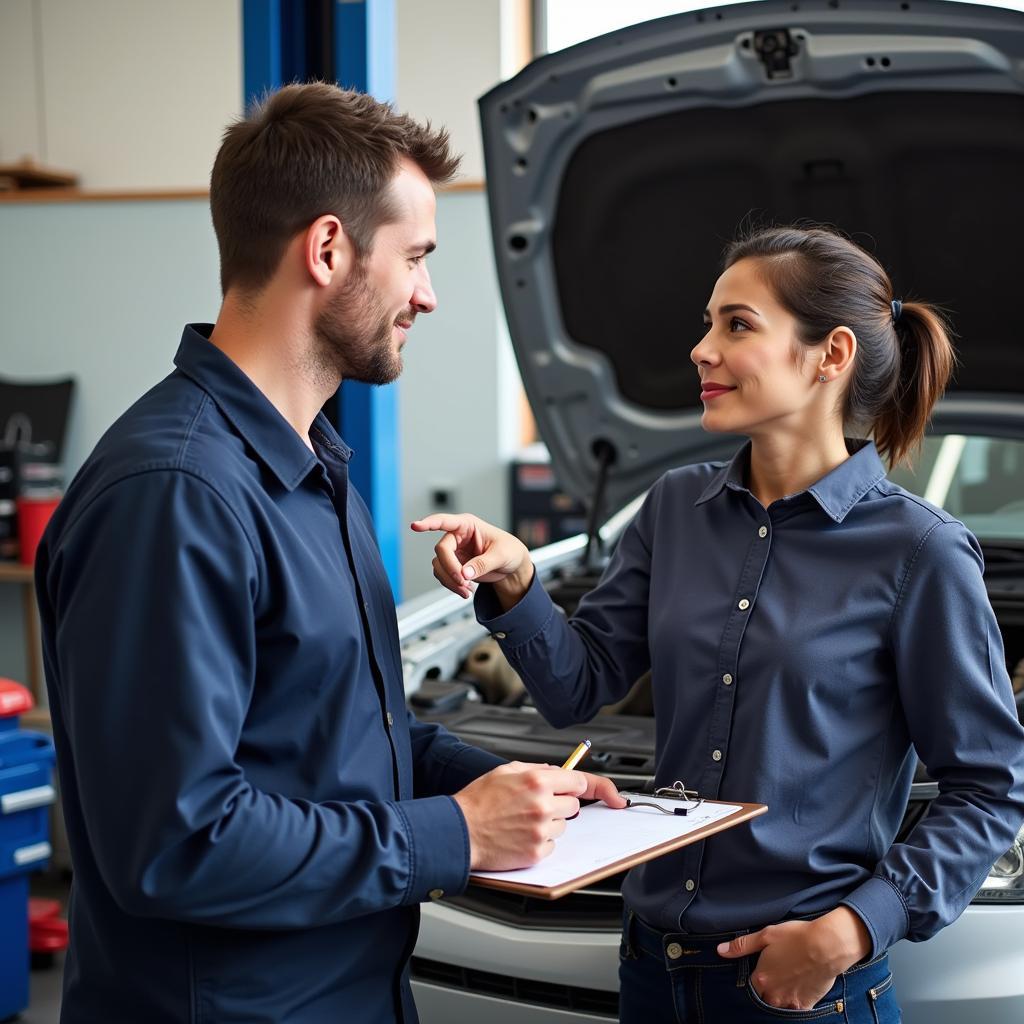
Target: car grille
596, 908
519, 990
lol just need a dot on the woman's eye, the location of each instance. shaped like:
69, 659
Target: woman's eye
736, 322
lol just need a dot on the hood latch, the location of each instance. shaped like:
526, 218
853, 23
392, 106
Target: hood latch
775, 48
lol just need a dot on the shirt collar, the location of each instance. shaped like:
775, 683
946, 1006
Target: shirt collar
249, 411
836, 492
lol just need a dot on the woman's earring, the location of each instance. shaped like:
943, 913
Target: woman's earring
822, 378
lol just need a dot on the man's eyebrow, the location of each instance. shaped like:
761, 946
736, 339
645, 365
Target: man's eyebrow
733, 308
424, 247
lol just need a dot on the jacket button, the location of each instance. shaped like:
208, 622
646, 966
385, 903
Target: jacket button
500, 636
763, 532
727, 679
436, 894
744, 605
391, 719
674, 950
716, 755
690, 885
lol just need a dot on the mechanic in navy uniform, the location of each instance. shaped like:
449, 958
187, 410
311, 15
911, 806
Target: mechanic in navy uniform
253, 815
808, 625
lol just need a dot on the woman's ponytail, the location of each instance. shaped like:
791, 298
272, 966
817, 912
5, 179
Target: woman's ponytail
926, 361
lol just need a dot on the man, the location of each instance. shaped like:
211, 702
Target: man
253, 815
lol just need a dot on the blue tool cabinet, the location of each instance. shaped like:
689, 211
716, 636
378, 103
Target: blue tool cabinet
26, 792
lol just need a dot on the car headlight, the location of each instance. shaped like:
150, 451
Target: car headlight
1005, 883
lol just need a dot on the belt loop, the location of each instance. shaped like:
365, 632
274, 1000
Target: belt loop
743, 973
627, 936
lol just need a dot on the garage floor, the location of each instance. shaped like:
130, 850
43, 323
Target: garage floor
44, 1007
44, 996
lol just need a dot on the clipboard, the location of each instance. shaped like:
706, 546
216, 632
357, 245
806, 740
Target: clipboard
675, 817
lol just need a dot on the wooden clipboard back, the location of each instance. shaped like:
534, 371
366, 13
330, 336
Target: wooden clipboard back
554, 892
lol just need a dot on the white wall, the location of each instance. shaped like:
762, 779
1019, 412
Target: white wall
449, 54
129, 94
458, 391
101, 290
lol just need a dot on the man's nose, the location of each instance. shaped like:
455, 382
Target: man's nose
423, 298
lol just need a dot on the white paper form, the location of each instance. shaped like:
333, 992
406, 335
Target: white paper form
602, 835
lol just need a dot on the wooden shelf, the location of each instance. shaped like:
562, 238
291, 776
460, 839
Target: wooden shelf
79, 195
15, 572
82, 195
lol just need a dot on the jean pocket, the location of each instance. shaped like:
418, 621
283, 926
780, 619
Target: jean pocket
831, 1007
882, 1000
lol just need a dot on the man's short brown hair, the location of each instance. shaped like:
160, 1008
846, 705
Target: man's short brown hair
305, 151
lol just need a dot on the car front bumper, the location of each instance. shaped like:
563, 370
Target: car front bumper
972, 971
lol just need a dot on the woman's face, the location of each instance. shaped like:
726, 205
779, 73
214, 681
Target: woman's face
755, 376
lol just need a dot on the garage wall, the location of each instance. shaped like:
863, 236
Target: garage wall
127, 93
102, 289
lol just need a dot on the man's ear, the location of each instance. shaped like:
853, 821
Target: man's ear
837, 353
328, 251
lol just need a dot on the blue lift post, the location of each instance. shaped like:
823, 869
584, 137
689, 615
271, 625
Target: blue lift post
364, 47
279, 37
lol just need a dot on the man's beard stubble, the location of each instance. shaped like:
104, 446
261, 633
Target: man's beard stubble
353, 336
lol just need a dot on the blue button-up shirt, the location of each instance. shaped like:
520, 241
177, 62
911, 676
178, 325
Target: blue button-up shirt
253, 816
797, 652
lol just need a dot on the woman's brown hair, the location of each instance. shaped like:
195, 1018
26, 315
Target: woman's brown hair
904, 354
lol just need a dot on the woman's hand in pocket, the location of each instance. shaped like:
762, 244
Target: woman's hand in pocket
799, 961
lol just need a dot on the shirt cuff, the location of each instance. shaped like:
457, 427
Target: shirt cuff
880, 905
521, 622
438, 848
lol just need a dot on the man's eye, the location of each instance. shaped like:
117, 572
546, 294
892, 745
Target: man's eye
416, 259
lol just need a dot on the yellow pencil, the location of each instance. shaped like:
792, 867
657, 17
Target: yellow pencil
577, 755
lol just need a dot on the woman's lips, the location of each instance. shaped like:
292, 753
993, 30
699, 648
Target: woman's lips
709, 389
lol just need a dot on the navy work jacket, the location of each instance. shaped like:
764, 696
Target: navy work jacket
799, 654
253, 815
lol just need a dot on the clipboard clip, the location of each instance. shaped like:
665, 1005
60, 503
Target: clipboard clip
677, 791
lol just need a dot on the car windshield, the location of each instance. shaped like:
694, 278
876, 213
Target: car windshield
978, 479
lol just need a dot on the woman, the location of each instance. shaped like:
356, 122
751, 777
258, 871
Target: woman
806, 621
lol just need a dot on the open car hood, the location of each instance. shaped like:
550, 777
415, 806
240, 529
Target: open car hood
618, 169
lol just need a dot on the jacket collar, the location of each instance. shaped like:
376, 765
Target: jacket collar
836, 492
271, 437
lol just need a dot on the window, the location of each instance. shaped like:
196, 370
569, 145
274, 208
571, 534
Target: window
566, 22
563, 23
978, 479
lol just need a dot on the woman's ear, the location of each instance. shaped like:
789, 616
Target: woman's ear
837, 353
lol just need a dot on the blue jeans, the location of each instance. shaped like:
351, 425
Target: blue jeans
681, 979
